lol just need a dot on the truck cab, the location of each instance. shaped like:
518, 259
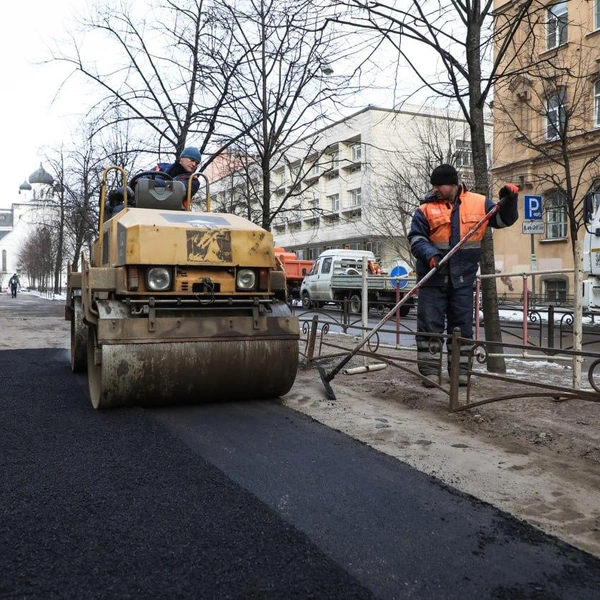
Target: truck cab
317, 288
336, 276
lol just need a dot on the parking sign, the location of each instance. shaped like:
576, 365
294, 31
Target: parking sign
533, 208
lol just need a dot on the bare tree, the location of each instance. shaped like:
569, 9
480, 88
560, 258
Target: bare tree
37, 257
471, 55
283, 86
547, 108
428, 142
168, 75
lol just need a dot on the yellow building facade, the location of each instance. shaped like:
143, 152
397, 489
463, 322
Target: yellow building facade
546, 112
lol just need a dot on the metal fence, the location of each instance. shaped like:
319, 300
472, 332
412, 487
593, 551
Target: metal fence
327, 341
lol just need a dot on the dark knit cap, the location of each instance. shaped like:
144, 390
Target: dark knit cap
444, 175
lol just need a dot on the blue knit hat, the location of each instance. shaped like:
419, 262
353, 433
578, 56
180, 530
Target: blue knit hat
192, 153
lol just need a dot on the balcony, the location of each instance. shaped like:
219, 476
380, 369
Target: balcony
352, 212
352, 166
331, 216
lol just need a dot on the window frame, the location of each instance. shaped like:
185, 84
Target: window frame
464, 154
335, 160
355, 197
557, 16
556, 290
556, 114
555, 217
597, 99
334, 199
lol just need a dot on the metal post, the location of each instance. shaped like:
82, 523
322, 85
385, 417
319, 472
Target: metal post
550, 326
525, 313
364, 304
532, 275
454, 368
312, 336
477, 295
397, 316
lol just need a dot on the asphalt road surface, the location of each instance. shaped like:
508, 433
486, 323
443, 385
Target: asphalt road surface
238, 500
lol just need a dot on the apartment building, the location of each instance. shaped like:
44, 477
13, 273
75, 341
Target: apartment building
355, 184
547, 139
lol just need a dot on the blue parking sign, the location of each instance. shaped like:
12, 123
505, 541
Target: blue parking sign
533, 208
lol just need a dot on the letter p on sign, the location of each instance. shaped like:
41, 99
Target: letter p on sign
533, 207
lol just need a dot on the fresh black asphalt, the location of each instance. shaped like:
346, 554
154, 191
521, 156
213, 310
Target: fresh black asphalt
240, 501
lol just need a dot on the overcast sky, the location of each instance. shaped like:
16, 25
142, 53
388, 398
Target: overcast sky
28, 119
33, 118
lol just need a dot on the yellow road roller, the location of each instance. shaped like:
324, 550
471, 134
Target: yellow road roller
175, 306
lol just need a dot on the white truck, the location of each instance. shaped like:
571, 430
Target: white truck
591, 255
336, 276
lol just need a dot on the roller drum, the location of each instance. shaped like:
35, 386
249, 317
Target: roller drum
147, 373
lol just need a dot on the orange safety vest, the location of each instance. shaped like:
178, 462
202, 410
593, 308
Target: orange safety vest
438, 214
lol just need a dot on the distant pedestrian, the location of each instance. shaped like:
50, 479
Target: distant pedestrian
14, 283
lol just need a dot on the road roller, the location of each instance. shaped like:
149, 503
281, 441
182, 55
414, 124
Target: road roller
178, 306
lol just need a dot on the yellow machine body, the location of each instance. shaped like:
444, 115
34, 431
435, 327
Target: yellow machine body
180, 307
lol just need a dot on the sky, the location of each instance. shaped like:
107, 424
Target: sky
34, 117
30, 120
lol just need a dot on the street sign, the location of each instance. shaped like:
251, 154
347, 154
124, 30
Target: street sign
533, 227
399, 271
533, 262
533, 208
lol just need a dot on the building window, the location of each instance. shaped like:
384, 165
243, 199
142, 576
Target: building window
597, 100
335, 160
280, 177
356, 152
4, 260
464, 155
556, 291
355, 197
556, 216
556, 116
295, 213
556, 27
597, 14
334, 202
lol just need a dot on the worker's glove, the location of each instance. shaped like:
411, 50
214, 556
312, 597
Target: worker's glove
509, 194
434, 261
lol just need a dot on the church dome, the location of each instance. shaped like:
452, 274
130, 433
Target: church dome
41, 176
25, 187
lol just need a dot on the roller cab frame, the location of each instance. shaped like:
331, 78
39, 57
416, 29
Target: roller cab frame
175, 306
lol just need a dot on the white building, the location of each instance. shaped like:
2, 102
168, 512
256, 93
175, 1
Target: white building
356, 183
18, 222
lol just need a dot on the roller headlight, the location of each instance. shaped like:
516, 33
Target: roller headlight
246, 279
158, 279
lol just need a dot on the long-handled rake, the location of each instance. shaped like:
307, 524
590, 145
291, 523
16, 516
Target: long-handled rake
327, 377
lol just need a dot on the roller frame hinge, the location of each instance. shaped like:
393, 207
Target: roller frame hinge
255, 314
151, 315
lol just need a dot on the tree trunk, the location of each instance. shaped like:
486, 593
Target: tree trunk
577, 316
495, 362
